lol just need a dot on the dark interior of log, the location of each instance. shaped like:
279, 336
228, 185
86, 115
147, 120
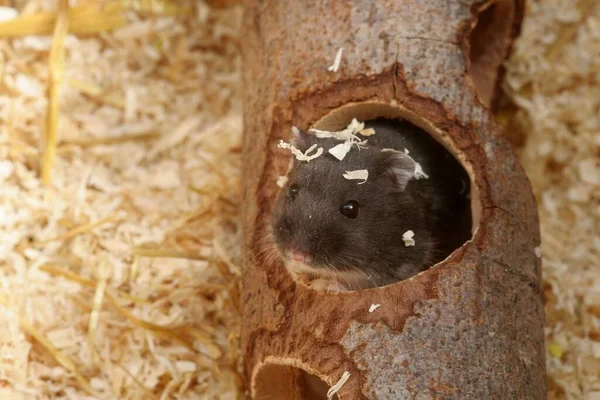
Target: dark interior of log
274, 381
488, 47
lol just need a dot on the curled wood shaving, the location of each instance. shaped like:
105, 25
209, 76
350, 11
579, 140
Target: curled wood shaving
349, 135
336, 388
407, 238
367, 132
339, 151
337, 61
60, 358
374, 307
361, 174
298, 154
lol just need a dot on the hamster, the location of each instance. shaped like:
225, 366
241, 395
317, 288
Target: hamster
349, 236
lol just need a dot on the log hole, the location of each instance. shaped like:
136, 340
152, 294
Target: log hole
463, 231
488, 46
276, 381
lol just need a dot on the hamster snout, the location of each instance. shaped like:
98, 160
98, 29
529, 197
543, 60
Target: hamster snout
305, 240
299, 256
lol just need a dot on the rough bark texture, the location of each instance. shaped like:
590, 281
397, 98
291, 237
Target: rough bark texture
470, 327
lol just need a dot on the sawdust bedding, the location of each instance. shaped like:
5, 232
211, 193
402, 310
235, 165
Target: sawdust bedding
119, 278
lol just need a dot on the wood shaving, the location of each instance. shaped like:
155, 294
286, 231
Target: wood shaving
407, 238
8, 13
551, 85
336, 388
300, 156
367, 132
120, 279
337, 61
348, 135
374, 307
341, 150
281, 181
360, 174
553, 121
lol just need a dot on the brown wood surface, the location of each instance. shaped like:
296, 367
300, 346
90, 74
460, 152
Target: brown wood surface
470, 327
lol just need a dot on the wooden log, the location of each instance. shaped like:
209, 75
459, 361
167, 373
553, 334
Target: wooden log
470, 327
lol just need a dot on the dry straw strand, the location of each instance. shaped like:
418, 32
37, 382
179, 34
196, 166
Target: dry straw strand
60, 358
82, 20
56, 271
82, 229
158, 253
57, 66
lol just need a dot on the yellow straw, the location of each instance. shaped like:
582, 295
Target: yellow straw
57, 67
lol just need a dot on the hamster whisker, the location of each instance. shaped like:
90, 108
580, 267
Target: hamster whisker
362, 272
272, 256
336, 273
267, 254
266, 249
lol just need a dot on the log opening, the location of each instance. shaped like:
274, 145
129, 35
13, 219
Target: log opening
277, 380
339, 118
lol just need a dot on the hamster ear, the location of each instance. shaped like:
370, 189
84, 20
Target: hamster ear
397, 167
299, 139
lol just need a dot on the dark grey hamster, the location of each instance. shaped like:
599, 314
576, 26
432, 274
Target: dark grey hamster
352, 233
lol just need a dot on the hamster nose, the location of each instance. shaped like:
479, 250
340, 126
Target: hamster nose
299, 256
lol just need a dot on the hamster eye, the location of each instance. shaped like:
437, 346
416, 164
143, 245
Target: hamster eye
293, 191
350, 209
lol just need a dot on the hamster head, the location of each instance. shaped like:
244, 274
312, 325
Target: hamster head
329, 226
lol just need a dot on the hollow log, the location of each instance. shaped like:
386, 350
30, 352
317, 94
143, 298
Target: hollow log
470, 327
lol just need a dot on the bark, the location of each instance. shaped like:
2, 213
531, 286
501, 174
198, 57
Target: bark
470, 327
